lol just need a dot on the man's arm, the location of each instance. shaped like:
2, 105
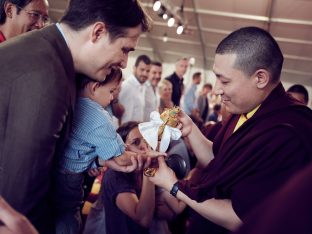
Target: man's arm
218, 211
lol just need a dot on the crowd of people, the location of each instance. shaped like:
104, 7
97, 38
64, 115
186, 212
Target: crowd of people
67, 113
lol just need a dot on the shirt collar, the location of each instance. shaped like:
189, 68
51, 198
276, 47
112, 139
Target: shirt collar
61, 31
252, 112
135, 81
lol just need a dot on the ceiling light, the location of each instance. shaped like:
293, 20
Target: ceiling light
192, 61
171, 21
157, 5
165, 16
180, 29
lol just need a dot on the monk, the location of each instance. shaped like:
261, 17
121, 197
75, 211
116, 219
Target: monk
263, 143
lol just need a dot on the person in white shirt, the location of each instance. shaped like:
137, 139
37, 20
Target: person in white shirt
151, 92
132, 94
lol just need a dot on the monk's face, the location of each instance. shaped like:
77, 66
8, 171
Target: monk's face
239, 92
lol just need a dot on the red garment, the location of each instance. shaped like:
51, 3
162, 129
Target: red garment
2, 37
256, 159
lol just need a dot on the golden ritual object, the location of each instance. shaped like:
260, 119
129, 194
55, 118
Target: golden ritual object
170, 118
150, 172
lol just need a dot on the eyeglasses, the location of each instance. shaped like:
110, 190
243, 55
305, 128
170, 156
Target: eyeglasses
36, 16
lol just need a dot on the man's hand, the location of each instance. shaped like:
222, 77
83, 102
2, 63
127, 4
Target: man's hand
14, 222
185, 124
164, 176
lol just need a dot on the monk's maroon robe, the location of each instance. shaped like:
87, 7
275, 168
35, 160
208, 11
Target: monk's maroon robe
255, 160
287, 211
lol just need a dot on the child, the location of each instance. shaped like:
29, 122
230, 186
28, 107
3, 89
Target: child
93, 140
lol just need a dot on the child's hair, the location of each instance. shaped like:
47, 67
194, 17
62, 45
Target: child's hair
83, 80
126, 128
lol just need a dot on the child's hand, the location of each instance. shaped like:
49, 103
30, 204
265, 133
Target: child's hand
126, 168
94, 172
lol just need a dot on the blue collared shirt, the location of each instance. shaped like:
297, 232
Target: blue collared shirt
190, 99
92, 135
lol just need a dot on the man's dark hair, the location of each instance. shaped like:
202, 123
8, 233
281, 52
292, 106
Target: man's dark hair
156, 63
298, 88
82, 80
255, 49
142, 58
20, 3
118, 15
126, 128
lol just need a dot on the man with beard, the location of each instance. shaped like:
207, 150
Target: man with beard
132, 94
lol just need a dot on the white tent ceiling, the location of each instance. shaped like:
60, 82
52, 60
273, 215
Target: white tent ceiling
208, 21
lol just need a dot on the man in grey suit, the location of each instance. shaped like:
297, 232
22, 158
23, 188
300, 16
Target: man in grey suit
37, 89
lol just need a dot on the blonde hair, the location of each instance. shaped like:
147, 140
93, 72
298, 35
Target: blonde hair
162, 84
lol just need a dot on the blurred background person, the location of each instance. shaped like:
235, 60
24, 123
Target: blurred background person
151, 92
20, 16
176, 80
203, 102
189, 101
165, 94
132, 94
300, 93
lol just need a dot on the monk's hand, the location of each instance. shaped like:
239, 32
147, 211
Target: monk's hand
164, 176
185, 124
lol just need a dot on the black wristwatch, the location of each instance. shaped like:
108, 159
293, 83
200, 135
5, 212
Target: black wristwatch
175, 188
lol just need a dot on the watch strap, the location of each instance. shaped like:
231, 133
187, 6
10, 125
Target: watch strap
175, 188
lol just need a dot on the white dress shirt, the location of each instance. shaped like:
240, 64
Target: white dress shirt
151, 101
132, 97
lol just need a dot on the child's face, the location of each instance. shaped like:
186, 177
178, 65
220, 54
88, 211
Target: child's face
104, 94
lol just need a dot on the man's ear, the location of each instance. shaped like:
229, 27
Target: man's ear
8, 8
262, 78
98, 30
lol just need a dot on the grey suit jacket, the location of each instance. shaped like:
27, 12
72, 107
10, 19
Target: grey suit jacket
37, 94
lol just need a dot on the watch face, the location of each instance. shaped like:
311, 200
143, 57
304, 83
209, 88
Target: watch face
177, 164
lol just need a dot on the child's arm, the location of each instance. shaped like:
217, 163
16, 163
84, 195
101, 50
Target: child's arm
127, 162
140, 209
